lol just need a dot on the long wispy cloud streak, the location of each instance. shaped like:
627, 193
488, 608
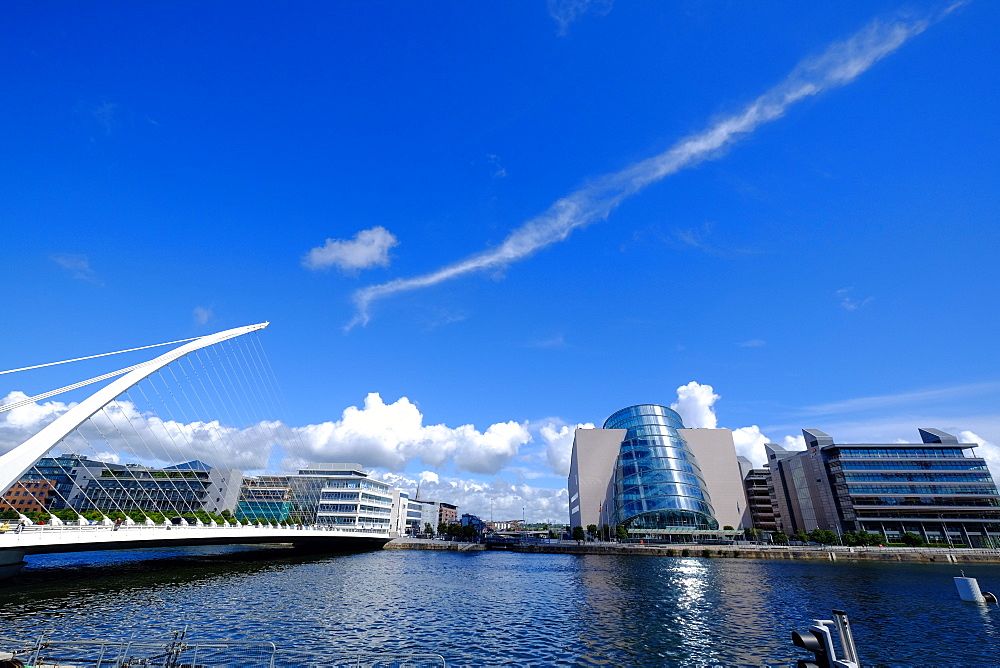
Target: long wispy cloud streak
839, 65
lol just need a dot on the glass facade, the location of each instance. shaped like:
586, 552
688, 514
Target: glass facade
937, 491
658, 485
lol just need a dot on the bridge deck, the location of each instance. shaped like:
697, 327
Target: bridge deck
50, 539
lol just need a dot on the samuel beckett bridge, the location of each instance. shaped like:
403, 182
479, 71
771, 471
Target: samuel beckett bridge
157, 457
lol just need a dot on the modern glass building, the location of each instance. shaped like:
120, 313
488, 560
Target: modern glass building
658, 487
341, 496
937, 489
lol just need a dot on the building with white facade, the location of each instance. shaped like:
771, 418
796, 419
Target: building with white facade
341, 495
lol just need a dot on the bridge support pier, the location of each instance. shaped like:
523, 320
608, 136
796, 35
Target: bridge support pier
11, 563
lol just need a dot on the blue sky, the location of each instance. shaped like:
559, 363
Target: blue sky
338, 169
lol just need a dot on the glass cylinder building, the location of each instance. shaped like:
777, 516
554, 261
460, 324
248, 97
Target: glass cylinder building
658, 486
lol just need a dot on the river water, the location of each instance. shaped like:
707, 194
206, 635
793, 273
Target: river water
499, 608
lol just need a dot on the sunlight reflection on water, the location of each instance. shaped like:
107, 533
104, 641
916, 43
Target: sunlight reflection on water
497, 608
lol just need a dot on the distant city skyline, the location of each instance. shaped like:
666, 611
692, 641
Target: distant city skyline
475, 228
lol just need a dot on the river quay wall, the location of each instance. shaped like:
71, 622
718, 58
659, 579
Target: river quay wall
827, 553
438, 545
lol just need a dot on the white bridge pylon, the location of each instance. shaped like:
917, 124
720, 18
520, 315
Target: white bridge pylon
21, 459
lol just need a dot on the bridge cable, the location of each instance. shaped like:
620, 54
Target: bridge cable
276, 427
170, 414
168, 504
160, 506
153, 505
106, 467
255, 373
132, 470
187, 420
83, 383
55, 486
222, 435
232, 391
90, 357
280, 406
236, 432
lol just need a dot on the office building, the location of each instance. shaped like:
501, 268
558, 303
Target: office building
756, 487
936, 489
28, 495
266, 497
341, 495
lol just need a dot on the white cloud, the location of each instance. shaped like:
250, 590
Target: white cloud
378, 435
553, 342
929, 397
753, 343
429, 476
850, 304
840, 64
391, 435
988, 450
78, 266
695, 404
369, 248
202, 315
498, 170
559, 444
120, 427
497, 499
565, 12
797, 442
750, 443
104, 114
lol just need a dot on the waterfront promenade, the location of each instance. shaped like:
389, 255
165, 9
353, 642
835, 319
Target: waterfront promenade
736, 551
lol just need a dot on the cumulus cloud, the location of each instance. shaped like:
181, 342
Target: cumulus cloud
797, 442
391, 435
368, 248
696, 406
987, 449
559, 444
122, 428
839, 65
496, 499
695, 403
750, 443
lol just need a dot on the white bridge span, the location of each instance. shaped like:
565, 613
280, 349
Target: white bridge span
138, 486
14, 546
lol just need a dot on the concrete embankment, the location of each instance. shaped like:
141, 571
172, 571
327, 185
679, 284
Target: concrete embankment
424, 544
829, 553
